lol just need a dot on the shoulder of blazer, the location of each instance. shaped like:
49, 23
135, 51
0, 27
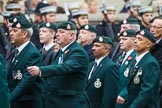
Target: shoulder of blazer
160, 43
107, 61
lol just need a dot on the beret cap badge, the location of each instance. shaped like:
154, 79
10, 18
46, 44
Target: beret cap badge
68, 26
142, 32
100, 39
18, 25
86, 27
15, 20
125, 33
124, 21
48, 24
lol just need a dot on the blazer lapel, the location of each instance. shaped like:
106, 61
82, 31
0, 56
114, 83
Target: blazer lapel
17, 59
128, 61
139, 65
96, 72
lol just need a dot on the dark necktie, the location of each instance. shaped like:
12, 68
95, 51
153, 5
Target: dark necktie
16, 51
132, 66
121, 58
92, 70
43, 51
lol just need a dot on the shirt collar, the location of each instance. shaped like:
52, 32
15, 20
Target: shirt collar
138, 58
158, 40
20, 48
99, 60
47, 47
127, 54
64, 48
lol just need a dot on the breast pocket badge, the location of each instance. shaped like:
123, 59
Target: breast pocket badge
17, 75
97, 83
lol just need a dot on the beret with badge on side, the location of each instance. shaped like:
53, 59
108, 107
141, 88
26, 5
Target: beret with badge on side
147, 34
49, 25
103, 39
67, 25
130, 21
128, 33
89, 28
19, 20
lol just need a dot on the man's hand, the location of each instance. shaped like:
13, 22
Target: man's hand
120, 100
34, 70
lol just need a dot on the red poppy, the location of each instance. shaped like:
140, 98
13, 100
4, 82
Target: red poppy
14, 14
129, 58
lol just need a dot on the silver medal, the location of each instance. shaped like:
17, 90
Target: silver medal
136, 79
18, 75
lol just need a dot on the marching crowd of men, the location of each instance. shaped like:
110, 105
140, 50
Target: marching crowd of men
78, 65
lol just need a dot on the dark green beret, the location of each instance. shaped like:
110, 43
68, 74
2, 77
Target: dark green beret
147, 34
67, 25
89, 28
130, 21
13, 15
128, 33
103, 39
49, 25
19, 20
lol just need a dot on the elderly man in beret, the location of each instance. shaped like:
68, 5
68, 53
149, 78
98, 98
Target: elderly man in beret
142, 90
102, 87
86, 36
125, 59
25, 89
66, 77
47, 32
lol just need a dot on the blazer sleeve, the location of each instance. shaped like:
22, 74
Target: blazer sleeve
110, 90
77, 60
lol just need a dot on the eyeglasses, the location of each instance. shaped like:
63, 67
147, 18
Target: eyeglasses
155, 27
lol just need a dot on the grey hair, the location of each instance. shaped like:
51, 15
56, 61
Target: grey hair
135, 27
30, 32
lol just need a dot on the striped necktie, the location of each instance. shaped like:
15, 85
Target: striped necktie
92, 69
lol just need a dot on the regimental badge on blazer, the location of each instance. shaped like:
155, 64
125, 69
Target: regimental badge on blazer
66, 51
17, 75
136, 79
97, 83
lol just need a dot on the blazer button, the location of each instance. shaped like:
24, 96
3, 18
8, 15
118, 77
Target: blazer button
49, 93
48, 83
